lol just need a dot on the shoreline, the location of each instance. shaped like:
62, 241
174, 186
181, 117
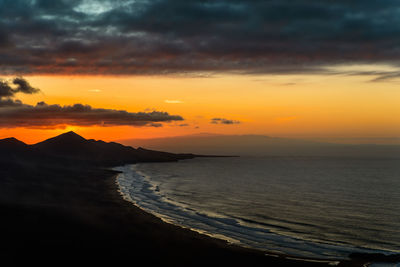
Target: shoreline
375, 257
64, 216
225, 240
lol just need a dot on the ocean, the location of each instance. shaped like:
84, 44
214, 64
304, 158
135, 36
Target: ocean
317, 207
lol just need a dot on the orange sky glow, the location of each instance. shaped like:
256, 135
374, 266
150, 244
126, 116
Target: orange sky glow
295, 106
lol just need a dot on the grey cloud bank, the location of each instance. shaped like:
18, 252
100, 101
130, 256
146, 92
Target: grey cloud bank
175, 36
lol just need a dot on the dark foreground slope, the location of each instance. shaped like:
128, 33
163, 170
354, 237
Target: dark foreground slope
58, 214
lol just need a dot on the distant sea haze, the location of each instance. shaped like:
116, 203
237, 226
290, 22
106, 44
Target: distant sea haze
260, 145
318, 207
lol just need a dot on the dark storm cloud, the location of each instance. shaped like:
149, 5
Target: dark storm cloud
176, 36
16, 85
23, 86
223, 121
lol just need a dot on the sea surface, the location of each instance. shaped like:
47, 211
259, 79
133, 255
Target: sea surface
316, 207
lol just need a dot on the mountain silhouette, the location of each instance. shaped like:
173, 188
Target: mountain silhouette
67, 144
71, 148
12, 144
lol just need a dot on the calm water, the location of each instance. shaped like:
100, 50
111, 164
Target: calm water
313, 207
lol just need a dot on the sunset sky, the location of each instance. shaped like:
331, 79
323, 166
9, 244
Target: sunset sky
112, 70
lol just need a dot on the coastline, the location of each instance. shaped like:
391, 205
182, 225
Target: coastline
353, 258
67, 216
230, 244
268, 257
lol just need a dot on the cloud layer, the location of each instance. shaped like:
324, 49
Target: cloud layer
55, 116
174, 36
14, 113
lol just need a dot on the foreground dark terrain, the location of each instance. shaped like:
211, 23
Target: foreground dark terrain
57, 210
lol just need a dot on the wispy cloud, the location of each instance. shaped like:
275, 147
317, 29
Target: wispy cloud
173, 101
224, 121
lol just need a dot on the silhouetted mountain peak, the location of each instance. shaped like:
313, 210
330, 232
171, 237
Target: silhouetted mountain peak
12, 142
63, 143
70, 136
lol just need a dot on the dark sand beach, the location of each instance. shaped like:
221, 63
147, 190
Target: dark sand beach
67, 216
